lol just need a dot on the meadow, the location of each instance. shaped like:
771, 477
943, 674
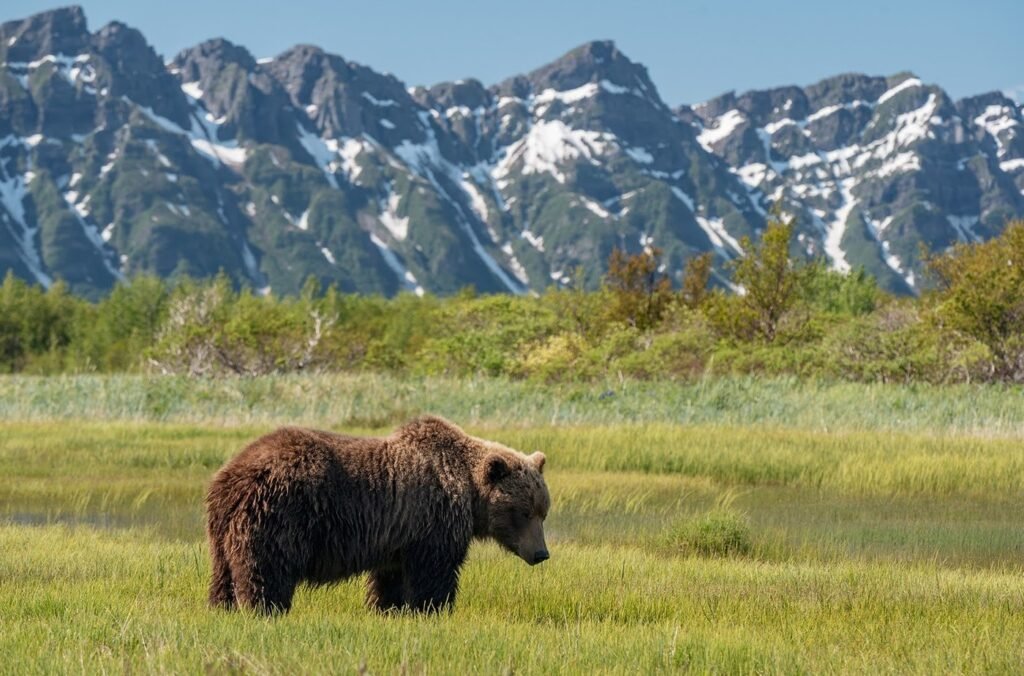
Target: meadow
729, 525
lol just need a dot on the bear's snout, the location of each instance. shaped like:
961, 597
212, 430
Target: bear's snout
540, 556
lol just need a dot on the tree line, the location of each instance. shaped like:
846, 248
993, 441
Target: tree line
783, 316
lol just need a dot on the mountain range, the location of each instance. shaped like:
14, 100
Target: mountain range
114, 163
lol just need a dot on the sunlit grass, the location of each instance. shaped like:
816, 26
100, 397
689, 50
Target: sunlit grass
889, 546
370, 400
80, 599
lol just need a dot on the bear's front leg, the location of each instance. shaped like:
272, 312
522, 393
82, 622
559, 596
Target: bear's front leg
432, 573
385, 589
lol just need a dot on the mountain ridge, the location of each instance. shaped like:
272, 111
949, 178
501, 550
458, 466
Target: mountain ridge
113, 163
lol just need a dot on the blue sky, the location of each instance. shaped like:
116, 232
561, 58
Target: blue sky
694, 49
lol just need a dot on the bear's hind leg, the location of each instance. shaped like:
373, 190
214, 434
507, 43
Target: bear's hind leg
268, 592
222, 593
385, 589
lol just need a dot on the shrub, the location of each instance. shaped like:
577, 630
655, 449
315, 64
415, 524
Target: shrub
769, 279
853, 294
981, 295
484, 335
695, 280
769, 284
681, 354
213, 330
719, 532
640, 291
557, 358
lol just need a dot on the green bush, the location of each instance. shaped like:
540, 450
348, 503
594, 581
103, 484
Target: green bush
557, 358
794, 318
484, 335
827, 290
980, 296
721, 532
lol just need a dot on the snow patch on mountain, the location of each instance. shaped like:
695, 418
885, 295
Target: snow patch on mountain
1011, 166
829, 110
901, 163
93, 234
550, 143
73, 68
964, 226
685, 199
877, 229
192, 90
724, 243
535, 241
724, 126
476, 199
640, 155
837, 228
348, 150
996, 120
249, 261
321, 153
517, 268
13, 191
909, 83
397, 225
405, 277
385, 103
543, 100
203, 137
594, 207
754, 174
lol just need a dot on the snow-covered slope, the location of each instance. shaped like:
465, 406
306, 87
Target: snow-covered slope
874, 167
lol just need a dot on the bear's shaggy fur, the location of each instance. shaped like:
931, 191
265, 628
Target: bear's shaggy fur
301, 505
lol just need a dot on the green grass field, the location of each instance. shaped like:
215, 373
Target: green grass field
729, 526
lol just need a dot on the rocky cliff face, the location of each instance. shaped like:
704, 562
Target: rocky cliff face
113, 163
874, 167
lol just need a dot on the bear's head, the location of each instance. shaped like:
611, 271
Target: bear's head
515, 502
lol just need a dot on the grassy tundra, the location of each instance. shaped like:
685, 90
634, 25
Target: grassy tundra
784, 527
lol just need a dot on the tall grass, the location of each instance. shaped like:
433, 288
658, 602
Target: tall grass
815, 495
81, 600
881, 463
379, 400
782, 528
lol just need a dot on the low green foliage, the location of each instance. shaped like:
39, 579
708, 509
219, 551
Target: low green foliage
719, 532
790, 318
981, 296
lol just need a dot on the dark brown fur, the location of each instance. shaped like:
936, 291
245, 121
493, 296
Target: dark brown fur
301, 505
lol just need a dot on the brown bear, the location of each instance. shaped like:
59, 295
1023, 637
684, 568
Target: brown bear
300, 505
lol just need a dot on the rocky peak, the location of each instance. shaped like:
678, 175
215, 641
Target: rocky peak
846, 88
208, 58
469, 94
594, 62
133, 69
57, 32
759, 106
590, 62
973, 106
345, 98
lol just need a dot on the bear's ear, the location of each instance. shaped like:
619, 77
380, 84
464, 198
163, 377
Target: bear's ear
538, 459
496, 469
